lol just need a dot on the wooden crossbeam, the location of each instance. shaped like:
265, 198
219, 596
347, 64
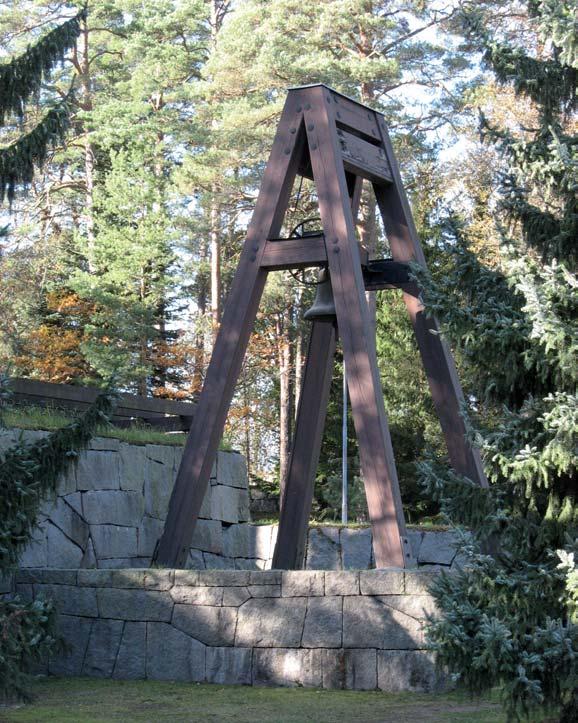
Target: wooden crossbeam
298, 253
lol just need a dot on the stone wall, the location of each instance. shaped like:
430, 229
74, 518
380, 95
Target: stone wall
110, 511
354, 630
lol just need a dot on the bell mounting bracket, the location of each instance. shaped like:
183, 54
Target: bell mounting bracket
340, 144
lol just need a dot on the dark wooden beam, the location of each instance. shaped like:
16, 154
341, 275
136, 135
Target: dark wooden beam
231, 343
300, 479
298, 253
391, 546
437, 360
365, 159
71, 396
294, 253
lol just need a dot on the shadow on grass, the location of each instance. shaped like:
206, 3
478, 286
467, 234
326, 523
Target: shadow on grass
85, 700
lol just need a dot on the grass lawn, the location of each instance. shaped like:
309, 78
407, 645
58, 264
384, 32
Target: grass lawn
85, 700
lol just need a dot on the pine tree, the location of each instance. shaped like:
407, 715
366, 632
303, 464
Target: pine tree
106, 215
508, 618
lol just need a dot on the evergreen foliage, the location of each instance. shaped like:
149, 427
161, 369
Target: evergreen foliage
21, 77
29, 473
508, 619
18, 160
20, 80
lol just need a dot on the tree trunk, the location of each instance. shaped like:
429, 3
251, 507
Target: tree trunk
247, 424
368, 228
82, 65
299, 341
215, 242
199, 334
142, 383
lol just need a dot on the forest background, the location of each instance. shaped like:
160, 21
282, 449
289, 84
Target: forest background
118, 258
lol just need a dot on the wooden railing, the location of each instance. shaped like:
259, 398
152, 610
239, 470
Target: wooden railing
167, 414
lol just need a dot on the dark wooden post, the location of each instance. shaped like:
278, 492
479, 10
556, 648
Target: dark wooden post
229, 351
300, 480
377, 462
437, 360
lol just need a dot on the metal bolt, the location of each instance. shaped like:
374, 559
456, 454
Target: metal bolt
336, 250
292, 130
307, 106
310, 127
338, 114
335, 240
314, 146
253, 257
287, 151
299, 109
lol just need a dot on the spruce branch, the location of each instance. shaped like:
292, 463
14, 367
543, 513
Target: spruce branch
21, 78
18, 160
29, 474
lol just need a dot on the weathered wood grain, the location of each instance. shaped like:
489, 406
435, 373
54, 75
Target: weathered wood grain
300, 480
231, 343
377, 461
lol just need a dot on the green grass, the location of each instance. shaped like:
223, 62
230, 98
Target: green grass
47, 418
84, 700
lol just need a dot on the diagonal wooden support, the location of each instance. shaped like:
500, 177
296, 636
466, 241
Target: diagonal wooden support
300, 479
437, 360
207, 428
391, 546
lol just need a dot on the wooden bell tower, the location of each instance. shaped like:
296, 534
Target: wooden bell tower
337, 142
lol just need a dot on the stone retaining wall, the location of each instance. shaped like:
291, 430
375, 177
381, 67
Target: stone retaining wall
110, 511
354, 630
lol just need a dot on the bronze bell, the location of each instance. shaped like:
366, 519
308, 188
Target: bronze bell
323, 308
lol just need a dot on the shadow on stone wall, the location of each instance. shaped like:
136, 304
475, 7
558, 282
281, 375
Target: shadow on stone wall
353, 630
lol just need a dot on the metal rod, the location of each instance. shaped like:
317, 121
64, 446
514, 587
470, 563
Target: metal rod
344, 452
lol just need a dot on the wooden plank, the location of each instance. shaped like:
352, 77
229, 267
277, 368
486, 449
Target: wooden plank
231, 343
410, 288
355, 116
35, 391
313, 399
365, 159
347, 112
437, 360
298, 253
300, 479
382, 488
65, 405
294, 253
162, 424
389, 274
